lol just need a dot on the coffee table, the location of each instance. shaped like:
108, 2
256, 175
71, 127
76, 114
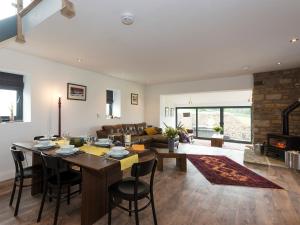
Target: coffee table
163, 153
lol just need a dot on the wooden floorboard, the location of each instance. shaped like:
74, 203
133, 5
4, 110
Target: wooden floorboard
186, 199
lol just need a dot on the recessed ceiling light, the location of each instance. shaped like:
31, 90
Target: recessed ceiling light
294, 40
79, 60
279, 63
127, 18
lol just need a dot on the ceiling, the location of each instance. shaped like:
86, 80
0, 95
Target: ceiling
172, 40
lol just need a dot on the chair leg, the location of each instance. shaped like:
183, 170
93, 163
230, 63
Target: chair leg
136, 212
130, 207
43, 201
153, 209
13, 193
109, 208
69, 193
19, 197
57, 206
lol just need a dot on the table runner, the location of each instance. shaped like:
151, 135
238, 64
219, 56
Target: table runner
98, 151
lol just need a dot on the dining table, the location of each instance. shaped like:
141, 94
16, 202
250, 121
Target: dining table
98, 173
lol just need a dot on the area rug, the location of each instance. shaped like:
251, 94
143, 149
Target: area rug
224, 171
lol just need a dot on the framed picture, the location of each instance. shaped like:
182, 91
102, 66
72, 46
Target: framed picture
76, 92
172, 110
134, 99
167, 111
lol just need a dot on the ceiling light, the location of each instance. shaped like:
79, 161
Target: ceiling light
127, 18
79, 60
294, 40
279, 63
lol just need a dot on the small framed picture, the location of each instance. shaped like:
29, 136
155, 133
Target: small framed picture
172, 110
76, 92
167, 111
134, 99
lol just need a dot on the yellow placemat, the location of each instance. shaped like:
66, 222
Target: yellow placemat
98, 151
129, 161
93, 150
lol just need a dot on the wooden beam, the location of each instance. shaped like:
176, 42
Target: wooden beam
68, 9
20, 37
26, 10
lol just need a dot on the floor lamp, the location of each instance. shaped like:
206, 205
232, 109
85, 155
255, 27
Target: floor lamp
59, 116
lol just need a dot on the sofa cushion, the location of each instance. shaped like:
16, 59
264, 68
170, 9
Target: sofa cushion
130, 129
151, 131
140, 127
159, 138
113, 129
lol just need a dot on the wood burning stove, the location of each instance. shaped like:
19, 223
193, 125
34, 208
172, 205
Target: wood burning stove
279, 143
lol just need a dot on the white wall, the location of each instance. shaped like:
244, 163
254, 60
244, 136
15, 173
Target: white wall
153, 93
202, 99
46, 80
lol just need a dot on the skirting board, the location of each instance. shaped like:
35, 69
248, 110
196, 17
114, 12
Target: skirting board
6, 175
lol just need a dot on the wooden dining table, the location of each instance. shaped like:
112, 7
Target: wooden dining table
98, 173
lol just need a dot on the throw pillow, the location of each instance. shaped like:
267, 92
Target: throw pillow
151, 131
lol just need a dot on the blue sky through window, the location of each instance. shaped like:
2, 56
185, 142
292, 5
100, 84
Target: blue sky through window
7, 9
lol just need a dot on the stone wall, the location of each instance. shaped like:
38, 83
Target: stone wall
273, 92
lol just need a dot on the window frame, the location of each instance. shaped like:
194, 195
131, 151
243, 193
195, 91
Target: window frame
19, 89
221, 108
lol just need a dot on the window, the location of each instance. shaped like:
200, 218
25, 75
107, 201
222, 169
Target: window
11, 97
235, 121
113, 104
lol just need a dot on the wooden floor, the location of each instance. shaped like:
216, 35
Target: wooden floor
187, 199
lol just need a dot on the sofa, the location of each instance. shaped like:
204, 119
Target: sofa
137, 132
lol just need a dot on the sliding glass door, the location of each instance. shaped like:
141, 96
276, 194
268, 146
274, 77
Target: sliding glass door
236, 121
208, 118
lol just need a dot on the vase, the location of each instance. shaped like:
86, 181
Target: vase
171, 144
11, 118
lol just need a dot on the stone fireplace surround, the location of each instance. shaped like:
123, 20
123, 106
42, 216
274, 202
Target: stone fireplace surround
272, 93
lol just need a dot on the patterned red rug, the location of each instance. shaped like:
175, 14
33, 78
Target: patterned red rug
222, 170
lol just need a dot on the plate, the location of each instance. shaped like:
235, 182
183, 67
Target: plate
102, 144
42, 146
118, 154
118, 148
66, 151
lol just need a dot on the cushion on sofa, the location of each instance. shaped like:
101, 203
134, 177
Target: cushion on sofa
151, 131
130, 129
140, 127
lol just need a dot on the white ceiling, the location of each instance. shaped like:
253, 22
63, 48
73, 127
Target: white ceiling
172, 40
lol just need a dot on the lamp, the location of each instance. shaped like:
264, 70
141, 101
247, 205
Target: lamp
59, 116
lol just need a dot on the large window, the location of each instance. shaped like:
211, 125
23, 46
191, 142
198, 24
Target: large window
11, 97
236, 121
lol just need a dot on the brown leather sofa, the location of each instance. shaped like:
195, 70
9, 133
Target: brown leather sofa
137, 132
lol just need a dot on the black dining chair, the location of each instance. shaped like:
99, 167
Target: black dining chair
56, 177
132, 189
21, 173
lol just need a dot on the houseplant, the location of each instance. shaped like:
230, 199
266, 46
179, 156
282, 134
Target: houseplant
171, 133
218, 129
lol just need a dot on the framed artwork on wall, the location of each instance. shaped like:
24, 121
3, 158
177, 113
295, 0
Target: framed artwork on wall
76, 92
134, 99
167, 111
172, 110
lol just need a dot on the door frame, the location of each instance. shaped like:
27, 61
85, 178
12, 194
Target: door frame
221, 120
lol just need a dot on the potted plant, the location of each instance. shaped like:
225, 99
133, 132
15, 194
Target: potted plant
218, 129
171, 133
11, 110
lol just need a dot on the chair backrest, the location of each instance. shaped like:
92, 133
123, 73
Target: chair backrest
52, 166
37, 138
18, 157
142, 169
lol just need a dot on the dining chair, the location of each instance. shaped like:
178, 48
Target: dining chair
132, 189
21, 173
56, 177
